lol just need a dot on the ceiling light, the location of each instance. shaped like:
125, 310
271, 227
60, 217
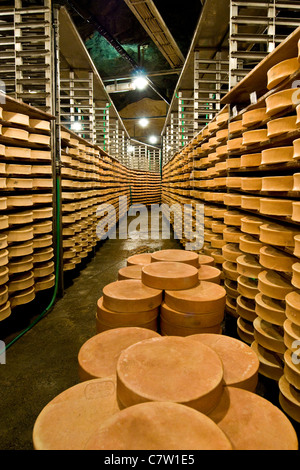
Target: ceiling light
152, 139
76, 126
143, 122
130, 149
140, 82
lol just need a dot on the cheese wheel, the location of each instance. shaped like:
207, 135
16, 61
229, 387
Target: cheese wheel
98, 356
171, 329
22, 297
245, 330
245, 308
232, 234
154, 426
236, 127
296, 143
272, 284
296, 275
190, 320
256, 136
275, 234
231, 288
209, 273
249, 244
5, 310
280, 71
251, 160
281, 126
158, 369
277, 183
179, 256
272, 258
79, 410
281, 101
279, 207
130, 295
169, 275
207, 260
230, 252
277, 155
130, 272
254, 117
291, 367
270, 363
251, 184
292, 311
289, 399
106, 319
253, 423
247, 287
270, 310
291, 337
230, 270
248, 266
143, 258
20, 249
240, 362
235, 144
14, 133
269, 336
206, 297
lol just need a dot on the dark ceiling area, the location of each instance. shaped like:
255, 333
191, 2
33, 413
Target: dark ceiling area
119, 45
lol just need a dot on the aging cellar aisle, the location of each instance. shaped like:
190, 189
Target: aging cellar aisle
43, 362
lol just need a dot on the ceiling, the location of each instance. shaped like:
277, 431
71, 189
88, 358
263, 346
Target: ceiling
119, 46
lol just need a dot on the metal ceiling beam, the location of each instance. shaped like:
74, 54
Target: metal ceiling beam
149, 17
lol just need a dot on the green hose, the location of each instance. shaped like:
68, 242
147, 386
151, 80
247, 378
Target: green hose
56, 273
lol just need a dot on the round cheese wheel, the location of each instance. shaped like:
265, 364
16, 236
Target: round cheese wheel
245, 308
232, 234
268, 335
179, 256
232, 199
251, 160
296, 142
272, 258
277, 183
247, 287
106, 319
22, 297
169, 275
248, 266
249, 244
280, 71
130, 295
251, 184
296, 275
272, 284
292, 301
209, 273
270, 363
270, 310
275, 234
240, 362
230, 270
158, 369
143, 258
295, 211
254, 117
206, 297
190, 320
98, 356
291, 337
251, 225
130, 272
245, 330
236, 127
171, 329
289, 399
235, 144
280, 101
79, 410
256, 136
253, 423
231, 288
291, 367
5, 310
154, 426
277, 155
231, 252
281, 126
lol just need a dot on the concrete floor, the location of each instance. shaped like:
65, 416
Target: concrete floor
43, 362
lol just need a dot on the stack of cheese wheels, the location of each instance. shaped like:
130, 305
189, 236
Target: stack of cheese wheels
289, 382
231, 252
128, 302
79, 410
240, 362
158, 426
171, 369
216, 240
5, 309
253, 423
274, 283
97, 357
199, 309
